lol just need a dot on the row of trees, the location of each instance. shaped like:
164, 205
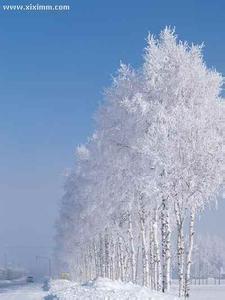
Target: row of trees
154, 162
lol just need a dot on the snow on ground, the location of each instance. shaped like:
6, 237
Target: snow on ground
208, 292
107, 289
102, 289
24, 292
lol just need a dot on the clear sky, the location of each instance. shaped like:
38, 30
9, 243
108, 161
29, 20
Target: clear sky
53, 68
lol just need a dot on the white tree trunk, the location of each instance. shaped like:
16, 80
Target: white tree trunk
132, 250
101, 256
189, 254
112, 259
180, 249
151, 257
137, 262
90, 263
145, 264
157, 260
163, 247
166, 255
106, 244
95, 259
121, 259
85, 267
181, 259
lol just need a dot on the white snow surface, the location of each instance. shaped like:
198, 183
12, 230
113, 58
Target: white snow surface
208, 292
102, 289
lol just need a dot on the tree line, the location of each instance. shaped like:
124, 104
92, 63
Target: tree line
154, 162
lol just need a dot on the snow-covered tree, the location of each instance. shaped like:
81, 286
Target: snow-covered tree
155, 160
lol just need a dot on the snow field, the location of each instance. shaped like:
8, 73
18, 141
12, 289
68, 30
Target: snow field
104, 289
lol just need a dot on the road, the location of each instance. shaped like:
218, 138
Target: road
23, 292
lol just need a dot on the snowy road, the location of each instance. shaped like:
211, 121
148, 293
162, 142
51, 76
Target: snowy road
25, 292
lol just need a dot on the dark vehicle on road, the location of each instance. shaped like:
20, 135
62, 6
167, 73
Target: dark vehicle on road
30, 279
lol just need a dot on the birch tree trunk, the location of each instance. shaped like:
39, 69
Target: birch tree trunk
90, 263
165, 230
137, 262
189, 254
180, 249
181, 259
95, 259
132, 250
144, 247
112, 259
106, 244
101, 256
85, 268
151, 257
163, 236
121, 260
157, 260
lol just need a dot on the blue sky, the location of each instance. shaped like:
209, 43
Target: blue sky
54, 67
